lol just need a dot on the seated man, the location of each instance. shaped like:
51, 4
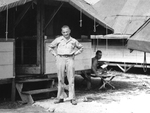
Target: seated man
97, 68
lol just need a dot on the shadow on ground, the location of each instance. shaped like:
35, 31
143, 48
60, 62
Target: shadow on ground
124, 84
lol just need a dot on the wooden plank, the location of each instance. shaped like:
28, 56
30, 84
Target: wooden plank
53, 15
25, 10
84, 64
40, 34
128, 65
28, 70
6, 81
42, 22
121, 68
120, 54
50, 68
26, 98
34, 80
6, 58
40, 91
13, 90
6, 46
6, 71
84, 59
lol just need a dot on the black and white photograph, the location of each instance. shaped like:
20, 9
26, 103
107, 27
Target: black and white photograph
74, 56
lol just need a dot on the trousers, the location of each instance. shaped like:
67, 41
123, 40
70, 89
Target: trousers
65, 65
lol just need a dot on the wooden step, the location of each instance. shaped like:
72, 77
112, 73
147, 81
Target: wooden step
38, 91
34, 80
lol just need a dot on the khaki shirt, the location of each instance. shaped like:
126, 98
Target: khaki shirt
65, 47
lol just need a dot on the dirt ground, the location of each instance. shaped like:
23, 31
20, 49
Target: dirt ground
131, 95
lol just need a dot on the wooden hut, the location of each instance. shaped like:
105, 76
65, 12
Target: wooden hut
27, 28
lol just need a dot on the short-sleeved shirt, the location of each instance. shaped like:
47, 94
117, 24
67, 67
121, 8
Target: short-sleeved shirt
66, 47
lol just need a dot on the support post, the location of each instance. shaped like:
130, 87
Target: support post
126, 68
40, 34
13, 90
25, 98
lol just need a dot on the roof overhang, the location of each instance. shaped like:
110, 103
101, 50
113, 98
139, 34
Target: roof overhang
140, 40
89, 11
80, 5
6, 4
110, 36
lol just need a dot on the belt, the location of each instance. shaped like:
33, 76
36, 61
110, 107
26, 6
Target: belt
65, 55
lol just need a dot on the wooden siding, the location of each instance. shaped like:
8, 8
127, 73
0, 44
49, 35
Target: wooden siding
6, 60
82, 61
110, 54
122, 54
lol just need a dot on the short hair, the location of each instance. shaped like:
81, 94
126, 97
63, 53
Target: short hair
98, 51
65, 26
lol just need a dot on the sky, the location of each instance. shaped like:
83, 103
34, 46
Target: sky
92, 1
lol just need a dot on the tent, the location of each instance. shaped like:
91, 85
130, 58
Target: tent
124, 16
40, 65
81, 5
4, 4
140, 40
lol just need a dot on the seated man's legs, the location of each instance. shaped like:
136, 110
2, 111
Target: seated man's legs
87, 77
101, 71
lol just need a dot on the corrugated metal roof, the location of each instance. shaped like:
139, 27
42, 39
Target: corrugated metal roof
124, 16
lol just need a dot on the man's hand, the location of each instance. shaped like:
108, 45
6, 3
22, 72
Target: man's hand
55, 54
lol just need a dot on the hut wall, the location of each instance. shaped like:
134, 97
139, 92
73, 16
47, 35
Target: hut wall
120, 53
6, 59
82, 61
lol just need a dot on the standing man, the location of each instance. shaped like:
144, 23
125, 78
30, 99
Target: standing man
67, 48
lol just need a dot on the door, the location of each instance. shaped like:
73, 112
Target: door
29, 39
27, 56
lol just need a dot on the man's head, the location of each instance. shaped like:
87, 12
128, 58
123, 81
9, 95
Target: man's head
98, 54
65, 30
